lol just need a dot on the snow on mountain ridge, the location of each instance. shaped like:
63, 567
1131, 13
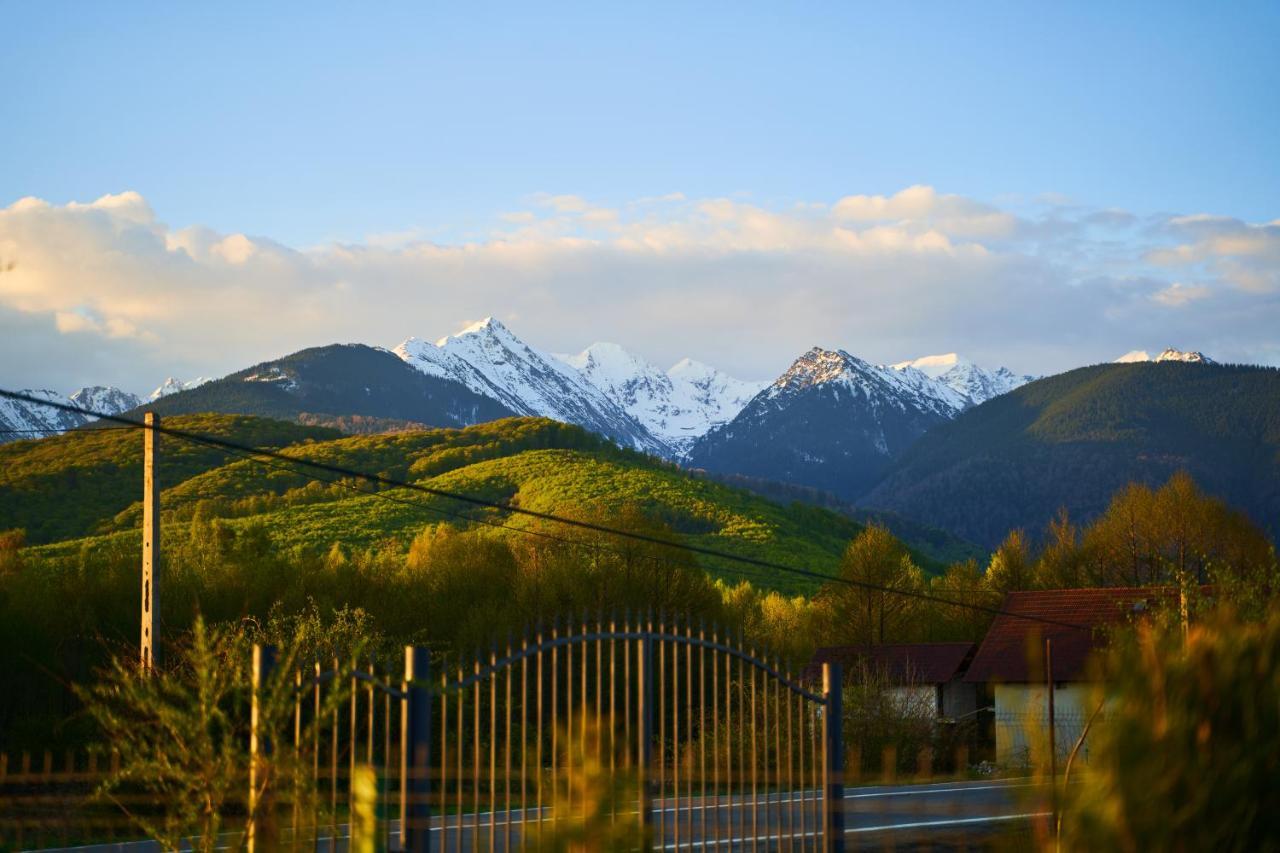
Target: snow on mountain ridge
173, 386
1169, 354
19, 420
105, 399
977, 384
678, 406
489, 359
878, 384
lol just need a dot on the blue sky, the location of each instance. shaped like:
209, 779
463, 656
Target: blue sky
394, 125
306, 126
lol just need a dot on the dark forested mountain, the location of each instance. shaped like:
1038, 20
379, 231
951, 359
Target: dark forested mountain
340, 380
1071, 441
832, 421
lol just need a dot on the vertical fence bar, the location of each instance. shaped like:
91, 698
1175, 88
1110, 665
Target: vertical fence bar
568, 712
791, 754
753, 722
702, 731
333, 766
688, 724
833, 758
444, 763
613, 698
799, 701
475, 755
734, 743
415, 755
353, 745
675, 731
460, 796
493, 748
599, 687
524, 743
584, 706
715, 732
385, 798
296, 811
315, 755
506, 755
644, 723
779, 809
260, 832
662, 730
555, 701
627, 627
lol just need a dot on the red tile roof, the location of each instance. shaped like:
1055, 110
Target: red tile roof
1003, 655
915, 663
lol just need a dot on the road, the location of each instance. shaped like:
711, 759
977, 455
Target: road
955, 815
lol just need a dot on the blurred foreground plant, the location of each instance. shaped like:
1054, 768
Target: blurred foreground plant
182, 735
1189, 755
594, 808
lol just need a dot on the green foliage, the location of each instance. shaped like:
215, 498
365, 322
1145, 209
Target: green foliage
1073, 440
870, 608
181, 734
1188, 754
70, 485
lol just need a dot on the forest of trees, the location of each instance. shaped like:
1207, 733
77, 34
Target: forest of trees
456, 590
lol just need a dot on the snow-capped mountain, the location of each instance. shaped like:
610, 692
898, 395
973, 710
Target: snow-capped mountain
1170, 354
19, 420
974, 383
489, 359
678, 406
832, 421
105, 399
173, 386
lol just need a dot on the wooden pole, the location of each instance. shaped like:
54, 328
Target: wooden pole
150, 541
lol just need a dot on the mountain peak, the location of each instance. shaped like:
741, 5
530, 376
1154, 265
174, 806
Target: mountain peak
488, 326
173, 386
1169, 354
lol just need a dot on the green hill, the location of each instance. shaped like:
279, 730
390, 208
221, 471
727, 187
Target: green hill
74, 484
1071, 441
80, 491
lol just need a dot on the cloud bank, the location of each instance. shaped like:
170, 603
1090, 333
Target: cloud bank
105, 291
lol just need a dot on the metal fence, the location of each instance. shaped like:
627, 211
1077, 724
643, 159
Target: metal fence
646, 733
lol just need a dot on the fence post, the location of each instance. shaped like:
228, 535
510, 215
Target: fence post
833, 758
260, 832
415, 753
644, 719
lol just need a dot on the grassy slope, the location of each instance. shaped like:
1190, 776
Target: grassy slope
538, 464
73, 484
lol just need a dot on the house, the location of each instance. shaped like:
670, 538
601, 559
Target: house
1010, 661
923, 676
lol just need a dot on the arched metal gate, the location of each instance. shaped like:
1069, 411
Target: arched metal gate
595, 733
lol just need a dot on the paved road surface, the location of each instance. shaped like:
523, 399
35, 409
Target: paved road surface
945, 815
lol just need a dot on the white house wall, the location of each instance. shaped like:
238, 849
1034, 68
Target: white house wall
1021, 721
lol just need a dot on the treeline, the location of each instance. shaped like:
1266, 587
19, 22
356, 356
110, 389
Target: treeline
455, 590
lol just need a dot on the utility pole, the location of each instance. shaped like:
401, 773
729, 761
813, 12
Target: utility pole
150, 541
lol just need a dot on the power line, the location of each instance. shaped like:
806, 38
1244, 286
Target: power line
544, 516
54, 431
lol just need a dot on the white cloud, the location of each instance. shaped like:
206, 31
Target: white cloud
1178, 294
123, 297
